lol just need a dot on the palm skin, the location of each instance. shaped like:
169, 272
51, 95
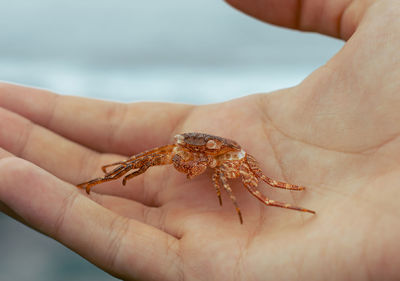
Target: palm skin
335, 133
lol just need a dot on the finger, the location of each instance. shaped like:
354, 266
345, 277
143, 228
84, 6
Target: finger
153, 216
147, 189
48, 150
123, 247
118, 204
100, 125
338, 18
66, 159
4, 154
3, 207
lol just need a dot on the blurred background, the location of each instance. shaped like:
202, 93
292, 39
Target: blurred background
178, 51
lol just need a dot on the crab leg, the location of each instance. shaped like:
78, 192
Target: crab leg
121, 171
141, 163
280, 184
146, 163
158, 150
229, 191
253, 190
116, 170
135, 173
217, 186
104, 168
254, 167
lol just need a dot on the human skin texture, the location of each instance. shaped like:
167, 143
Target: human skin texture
337, 133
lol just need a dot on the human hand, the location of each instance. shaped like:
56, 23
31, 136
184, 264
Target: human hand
335, 133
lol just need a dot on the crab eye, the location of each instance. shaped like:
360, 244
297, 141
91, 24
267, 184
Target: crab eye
179, 139
211, 144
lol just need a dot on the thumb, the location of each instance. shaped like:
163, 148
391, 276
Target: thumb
337, 18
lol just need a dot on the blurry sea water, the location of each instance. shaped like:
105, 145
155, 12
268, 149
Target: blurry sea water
177, 51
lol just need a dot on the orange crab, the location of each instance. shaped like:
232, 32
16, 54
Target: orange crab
191, 154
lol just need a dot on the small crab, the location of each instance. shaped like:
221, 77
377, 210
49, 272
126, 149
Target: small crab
191, 154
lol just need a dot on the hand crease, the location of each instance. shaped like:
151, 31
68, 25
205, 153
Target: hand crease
23, 140
118, 230
66, 205
84, 163
117, 116
51, 116
239, 263
179, 260
368, 150
178, 126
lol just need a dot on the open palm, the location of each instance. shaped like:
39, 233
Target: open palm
336, 133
